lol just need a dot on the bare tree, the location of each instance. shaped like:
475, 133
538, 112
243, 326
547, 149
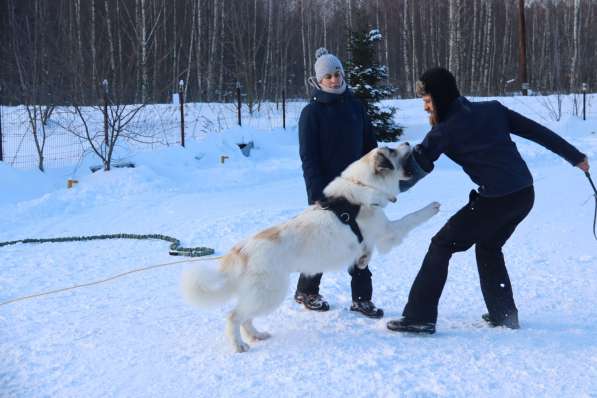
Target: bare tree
574, 70
454, 41
304, 45
93, 44
32, 55
110, 39
38, 117
408, 72
120, 124
145, 46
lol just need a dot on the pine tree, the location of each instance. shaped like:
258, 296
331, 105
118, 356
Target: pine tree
364, 76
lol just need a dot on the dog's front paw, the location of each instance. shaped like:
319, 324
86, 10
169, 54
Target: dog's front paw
432, 208
241, 347
435, 206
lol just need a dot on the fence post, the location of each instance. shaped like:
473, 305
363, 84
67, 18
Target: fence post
181, 102
525, 88
238, 103
106, 138
284, 109
1, 138
584, 101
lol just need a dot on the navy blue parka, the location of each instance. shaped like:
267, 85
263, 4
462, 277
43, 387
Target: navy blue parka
476, 135
334, 131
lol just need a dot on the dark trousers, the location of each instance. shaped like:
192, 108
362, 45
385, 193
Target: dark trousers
486, 223
361, 285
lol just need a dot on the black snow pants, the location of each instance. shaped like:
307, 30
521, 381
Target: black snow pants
361, 284
487, 223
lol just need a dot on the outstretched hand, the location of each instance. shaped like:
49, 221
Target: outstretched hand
584, 165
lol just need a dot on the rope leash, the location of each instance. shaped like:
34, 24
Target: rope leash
111, 278
175, 248
595, 195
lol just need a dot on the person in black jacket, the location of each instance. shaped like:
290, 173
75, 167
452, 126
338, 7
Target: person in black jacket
477, 137
334, 131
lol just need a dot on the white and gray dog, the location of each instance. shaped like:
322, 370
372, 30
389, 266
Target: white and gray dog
256, 270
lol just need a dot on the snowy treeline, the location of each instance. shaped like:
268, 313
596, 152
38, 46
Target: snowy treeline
60, 51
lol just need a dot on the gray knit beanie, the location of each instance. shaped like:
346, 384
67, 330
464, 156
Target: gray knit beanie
326, 63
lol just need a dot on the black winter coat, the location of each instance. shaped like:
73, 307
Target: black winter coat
477, 137
334, 131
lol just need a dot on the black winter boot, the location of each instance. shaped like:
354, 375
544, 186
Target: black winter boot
509, 321
411, 326
314, 302
367, 308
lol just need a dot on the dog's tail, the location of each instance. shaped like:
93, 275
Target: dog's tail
209, 285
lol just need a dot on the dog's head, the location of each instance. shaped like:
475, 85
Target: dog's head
390, 162
374, 179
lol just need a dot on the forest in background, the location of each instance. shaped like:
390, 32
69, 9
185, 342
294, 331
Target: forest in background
60, 51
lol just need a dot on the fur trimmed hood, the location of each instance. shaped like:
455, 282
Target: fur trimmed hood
440, 84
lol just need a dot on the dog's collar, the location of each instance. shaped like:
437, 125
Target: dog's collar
345, 211
391, 198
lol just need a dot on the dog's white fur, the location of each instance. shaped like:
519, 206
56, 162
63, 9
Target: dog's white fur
256, 271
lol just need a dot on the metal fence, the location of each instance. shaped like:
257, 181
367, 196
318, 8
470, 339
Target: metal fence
156, 125
18, 146
159, 125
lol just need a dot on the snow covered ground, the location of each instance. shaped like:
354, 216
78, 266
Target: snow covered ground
135, 337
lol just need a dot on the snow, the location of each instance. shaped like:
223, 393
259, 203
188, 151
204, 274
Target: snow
135, 336
375, 35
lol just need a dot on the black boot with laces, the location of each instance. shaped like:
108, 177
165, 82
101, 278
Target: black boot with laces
411, 326
367, 308
313, 302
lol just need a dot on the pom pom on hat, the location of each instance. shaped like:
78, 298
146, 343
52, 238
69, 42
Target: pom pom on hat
321, 51
326, 63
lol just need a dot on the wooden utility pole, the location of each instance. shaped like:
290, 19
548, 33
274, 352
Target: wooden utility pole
522, 49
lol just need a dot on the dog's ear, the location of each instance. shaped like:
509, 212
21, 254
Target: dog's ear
382, 163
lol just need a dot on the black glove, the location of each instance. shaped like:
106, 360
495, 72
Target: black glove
417, 165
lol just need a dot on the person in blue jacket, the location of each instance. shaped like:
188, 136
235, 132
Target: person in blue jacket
334, 131
476, 136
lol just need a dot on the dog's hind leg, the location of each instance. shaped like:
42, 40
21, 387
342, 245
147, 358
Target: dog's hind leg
261, 296
253, 333
233, 332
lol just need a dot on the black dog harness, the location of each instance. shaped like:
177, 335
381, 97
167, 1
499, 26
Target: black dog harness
345, 211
